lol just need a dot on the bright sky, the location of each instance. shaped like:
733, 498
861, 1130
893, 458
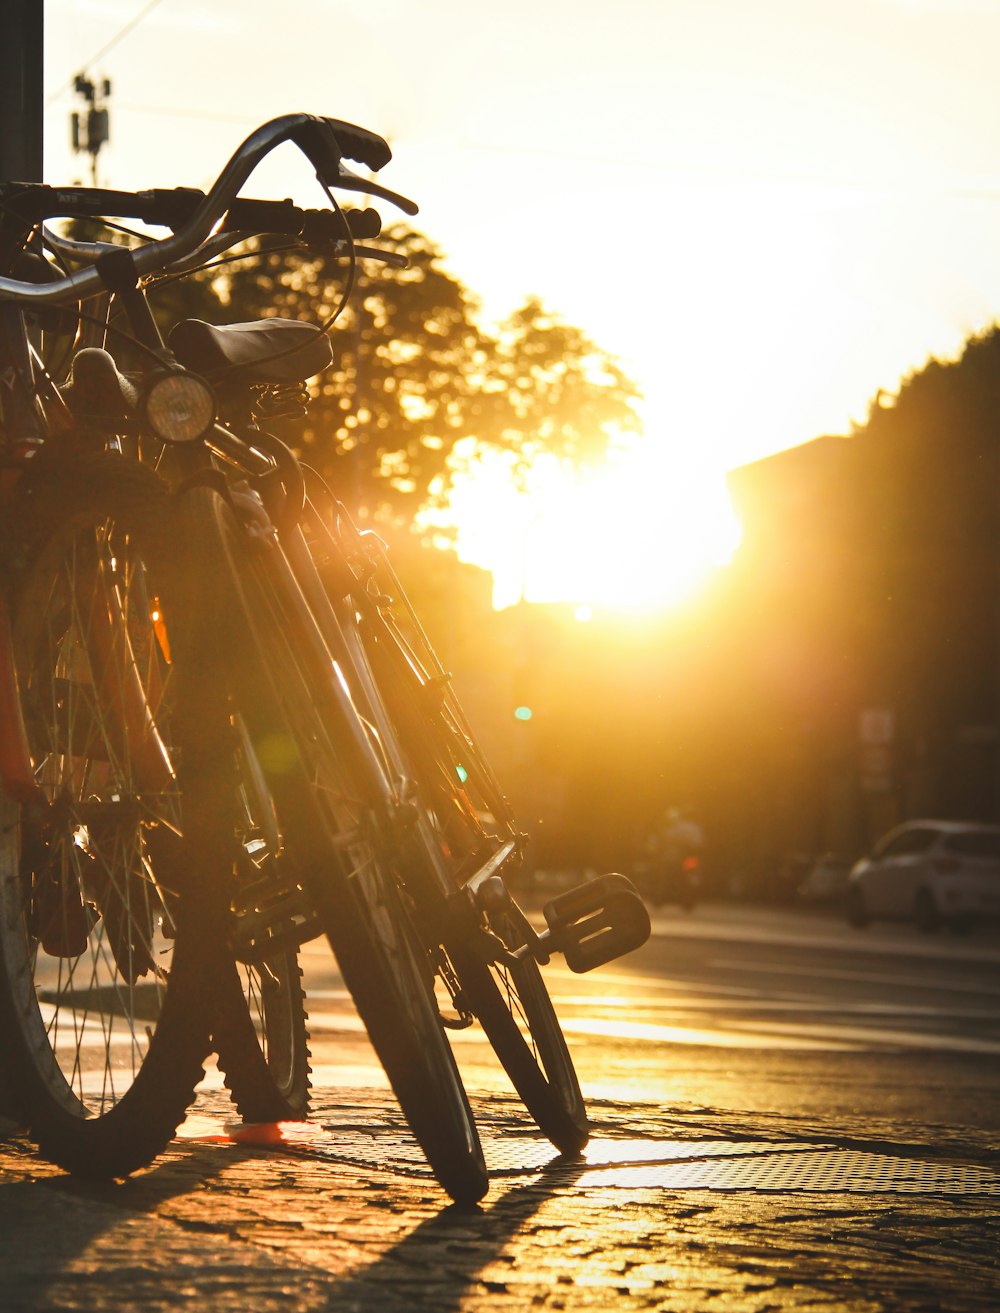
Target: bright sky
767, 209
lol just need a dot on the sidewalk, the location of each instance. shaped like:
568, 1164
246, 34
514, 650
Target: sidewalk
671, 1209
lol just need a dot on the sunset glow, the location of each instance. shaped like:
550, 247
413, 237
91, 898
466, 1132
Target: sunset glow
642, 533
767, 212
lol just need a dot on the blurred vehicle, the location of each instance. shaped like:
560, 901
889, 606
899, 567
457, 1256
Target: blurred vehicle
669, 882
669, 868
933, 873
825, 880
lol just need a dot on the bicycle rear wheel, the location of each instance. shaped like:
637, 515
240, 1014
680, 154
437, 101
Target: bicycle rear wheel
260, 1035
261, 1040
340, 850
105, 945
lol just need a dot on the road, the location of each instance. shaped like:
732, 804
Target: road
788, 1115
756, 1010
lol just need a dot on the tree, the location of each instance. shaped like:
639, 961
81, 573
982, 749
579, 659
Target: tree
417, 380
930, 458
561, 394
868, 580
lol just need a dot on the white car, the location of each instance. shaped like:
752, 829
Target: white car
933, 873
826, 880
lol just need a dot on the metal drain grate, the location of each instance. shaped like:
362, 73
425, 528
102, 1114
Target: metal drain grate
515, 1157
806, 1170
675, 1164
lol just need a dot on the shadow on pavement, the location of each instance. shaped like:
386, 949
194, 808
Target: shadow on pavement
50, 1222
443, 1258
94, 1237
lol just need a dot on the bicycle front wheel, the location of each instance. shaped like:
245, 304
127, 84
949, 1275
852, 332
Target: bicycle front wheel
515, 1009
331, 831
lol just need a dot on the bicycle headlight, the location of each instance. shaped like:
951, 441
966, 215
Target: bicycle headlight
179, 407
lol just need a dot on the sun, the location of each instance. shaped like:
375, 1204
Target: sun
643, 532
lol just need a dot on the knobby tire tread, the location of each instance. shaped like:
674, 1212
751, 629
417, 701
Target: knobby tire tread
255, 1092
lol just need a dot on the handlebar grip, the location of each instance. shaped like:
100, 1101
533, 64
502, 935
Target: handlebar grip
167, 207
363, 223
361, 145
321, 227
327, 141
264, 216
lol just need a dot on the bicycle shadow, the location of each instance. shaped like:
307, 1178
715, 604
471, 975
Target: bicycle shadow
49, 1223
60, 1229
443, 1257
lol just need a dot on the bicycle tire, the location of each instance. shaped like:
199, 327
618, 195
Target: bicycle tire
261, 1040
260, 1036
92, 887
334, 838
513, 1005
455, 790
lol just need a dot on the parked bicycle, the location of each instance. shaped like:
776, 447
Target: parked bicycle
324, 778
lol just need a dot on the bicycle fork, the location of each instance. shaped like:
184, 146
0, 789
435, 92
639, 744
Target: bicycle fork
118, 691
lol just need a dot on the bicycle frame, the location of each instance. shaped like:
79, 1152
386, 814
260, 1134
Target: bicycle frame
316, 616
447, 897
16, 774
311, 620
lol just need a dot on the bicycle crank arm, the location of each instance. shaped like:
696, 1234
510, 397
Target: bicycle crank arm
281, 924
477, 883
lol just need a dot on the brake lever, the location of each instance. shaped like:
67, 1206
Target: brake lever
385, 257
351, 181
340, 250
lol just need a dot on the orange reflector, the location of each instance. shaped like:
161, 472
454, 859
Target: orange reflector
160, 629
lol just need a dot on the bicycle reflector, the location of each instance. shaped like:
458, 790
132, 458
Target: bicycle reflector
179, 407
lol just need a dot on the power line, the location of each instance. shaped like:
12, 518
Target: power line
199, 115
108, 45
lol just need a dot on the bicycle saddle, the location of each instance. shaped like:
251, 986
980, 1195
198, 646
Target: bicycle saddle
265, 351
96, 390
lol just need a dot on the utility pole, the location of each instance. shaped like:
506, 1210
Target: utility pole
21, 47
90, 129
20, 161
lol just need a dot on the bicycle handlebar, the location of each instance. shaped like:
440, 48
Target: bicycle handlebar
325, 142
245, 218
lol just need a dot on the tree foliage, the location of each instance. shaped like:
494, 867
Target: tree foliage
929, 453
867, 578
416, 373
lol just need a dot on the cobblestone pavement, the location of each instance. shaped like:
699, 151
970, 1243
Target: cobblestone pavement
670, 1209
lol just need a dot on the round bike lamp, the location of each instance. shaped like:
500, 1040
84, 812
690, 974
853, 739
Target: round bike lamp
180, 407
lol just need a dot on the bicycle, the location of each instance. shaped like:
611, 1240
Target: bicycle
367, 827
92, 928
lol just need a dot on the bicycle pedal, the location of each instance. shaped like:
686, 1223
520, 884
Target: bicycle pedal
597, 922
